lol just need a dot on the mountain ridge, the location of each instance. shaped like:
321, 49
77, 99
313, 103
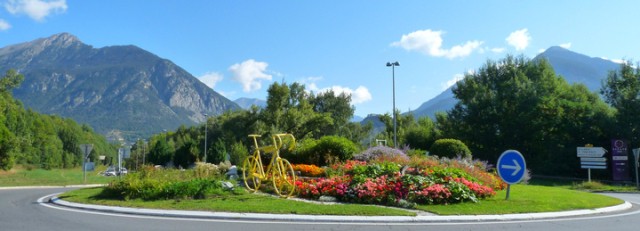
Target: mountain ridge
115, 89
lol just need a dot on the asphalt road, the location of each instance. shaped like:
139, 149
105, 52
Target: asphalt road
20, 210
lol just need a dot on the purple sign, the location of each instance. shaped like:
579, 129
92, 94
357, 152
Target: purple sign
619, 163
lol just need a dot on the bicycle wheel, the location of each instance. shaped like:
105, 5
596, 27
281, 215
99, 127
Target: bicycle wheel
284, 178
251, 174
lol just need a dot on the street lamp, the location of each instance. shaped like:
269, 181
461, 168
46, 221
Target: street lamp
206, 122
393, 74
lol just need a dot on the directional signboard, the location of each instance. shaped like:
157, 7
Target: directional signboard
591, 151
86, 149
511, 166
592, 157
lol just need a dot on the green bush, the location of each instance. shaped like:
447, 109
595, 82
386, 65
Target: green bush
238, 153
159, 184
450, 148
326, 150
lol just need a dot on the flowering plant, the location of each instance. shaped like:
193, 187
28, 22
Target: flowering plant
308, 170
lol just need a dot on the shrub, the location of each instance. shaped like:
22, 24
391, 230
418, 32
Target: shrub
450, 148
160, 184
238, 153
326, 150
383, 154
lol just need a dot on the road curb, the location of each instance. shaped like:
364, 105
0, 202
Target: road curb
333, 218
46, 187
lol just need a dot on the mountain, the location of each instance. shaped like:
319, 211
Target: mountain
121, 91
246, 103
574, 67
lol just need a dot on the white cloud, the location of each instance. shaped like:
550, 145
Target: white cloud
497, 50
519, 39
211, 78
618, 61
565, 45
359, 95
430, 43
310, 83
250, 73
452, 81
4, 25
36, 9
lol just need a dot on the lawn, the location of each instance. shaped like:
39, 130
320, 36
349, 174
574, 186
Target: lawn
243, 203
523, 199
528, 199
56, 177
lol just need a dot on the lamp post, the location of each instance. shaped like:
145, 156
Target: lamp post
144, 151
393, 76
206, 122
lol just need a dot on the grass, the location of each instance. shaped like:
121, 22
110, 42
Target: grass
555, 196
528, 199
20, 176
593, 186
523, 199
244, 203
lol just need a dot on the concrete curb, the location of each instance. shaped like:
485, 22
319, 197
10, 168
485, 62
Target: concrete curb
332, 218
46, 187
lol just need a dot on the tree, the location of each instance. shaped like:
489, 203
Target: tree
422, 134
10, 80
521, 104
622, 91
337, 106
160, 152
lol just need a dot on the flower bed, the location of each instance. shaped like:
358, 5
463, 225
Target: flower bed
379, 182
308, 170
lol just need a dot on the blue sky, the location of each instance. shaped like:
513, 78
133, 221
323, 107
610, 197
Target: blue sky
240, 47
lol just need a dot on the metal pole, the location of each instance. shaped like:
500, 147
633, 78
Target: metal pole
589, 171
144, 152
508, 191
84, 162
636, 160
206, 121
395, 132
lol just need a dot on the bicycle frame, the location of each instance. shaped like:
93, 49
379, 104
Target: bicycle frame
279, 170
274, 149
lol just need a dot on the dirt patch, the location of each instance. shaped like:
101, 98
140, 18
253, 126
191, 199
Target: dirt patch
7, 173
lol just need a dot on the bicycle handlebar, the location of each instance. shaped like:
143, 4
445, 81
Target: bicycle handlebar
292, 140
277, 142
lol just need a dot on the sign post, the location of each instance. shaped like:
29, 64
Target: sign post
636, 155
592, 158
620, 160
86, 149
511, 168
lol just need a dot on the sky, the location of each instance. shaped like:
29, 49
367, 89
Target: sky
241, 47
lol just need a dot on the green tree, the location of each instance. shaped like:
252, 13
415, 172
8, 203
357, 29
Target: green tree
10, 80
621, 90
521, 104
161, 152
422, 134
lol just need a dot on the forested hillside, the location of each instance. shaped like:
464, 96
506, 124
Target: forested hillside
42, 141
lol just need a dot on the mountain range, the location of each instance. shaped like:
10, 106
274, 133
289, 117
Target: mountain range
123, 92
127, 92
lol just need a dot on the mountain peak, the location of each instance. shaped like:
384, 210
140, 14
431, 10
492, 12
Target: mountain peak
62, 40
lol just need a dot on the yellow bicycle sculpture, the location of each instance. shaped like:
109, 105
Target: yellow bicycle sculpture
279, 170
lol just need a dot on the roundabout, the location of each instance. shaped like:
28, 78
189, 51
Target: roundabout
45, 212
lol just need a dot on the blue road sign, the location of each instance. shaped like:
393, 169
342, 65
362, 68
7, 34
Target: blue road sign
511, 166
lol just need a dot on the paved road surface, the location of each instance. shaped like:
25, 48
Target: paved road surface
20, 210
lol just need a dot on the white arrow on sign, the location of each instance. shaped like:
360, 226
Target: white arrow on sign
515, 167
